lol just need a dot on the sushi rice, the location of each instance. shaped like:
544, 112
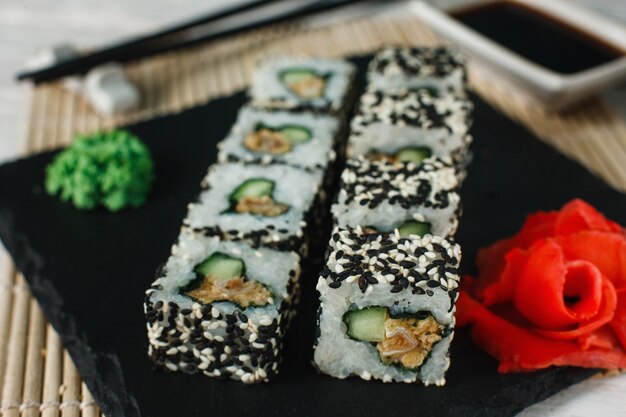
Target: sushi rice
227, 340
316, 152
295, 188
399, 67
335, 77
415, 278
382, 195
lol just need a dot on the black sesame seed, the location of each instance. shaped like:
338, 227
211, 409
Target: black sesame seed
396, 288
370, 278
362, 283
433, 283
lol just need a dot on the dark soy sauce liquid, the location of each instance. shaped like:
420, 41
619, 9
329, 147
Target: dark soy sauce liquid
538, 37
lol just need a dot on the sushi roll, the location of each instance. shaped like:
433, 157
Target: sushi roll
265, 205
439, 68
387, 307
305, 140
221, 308
303, 83
381, 196
410, 126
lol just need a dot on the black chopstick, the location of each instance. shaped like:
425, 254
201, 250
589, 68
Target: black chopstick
117, 52
174, 38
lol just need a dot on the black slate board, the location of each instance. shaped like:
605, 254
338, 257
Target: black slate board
89, 271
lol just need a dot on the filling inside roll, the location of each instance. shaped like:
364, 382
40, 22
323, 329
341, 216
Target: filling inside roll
415, 154
404, 340
221, 277
405, 229
276, 140
254, 196
306, 83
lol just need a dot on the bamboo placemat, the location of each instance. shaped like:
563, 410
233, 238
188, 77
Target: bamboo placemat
37, 377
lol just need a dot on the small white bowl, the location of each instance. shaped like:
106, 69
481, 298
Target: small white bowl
554, 90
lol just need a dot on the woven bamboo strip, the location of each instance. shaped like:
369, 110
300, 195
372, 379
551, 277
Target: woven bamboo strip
36, 331
37, 140
71, 392
14, 372
89, 407
615, 146
34, 361
52, 376
56, 107
6, 303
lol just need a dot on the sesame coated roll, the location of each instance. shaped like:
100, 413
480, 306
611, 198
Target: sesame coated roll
387, 306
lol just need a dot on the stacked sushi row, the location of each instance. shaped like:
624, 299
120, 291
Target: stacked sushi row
223, 300
389, 287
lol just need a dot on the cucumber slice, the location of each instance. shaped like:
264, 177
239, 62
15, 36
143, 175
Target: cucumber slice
297, 75
221, 267
367, 324
413, 227
254, 187
413, 154
296, 134
430, 91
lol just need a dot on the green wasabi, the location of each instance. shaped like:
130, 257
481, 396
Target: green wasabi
113, 169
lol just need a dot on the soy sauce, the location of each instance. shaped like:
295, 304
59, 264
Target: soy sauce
541, 38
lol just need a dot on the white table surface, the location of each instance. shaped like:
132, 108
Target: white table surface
26, 25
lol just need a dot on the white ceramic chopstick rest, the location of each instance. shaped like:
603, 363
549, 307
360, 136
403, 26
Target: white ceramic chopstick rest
47, 57
109, 91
